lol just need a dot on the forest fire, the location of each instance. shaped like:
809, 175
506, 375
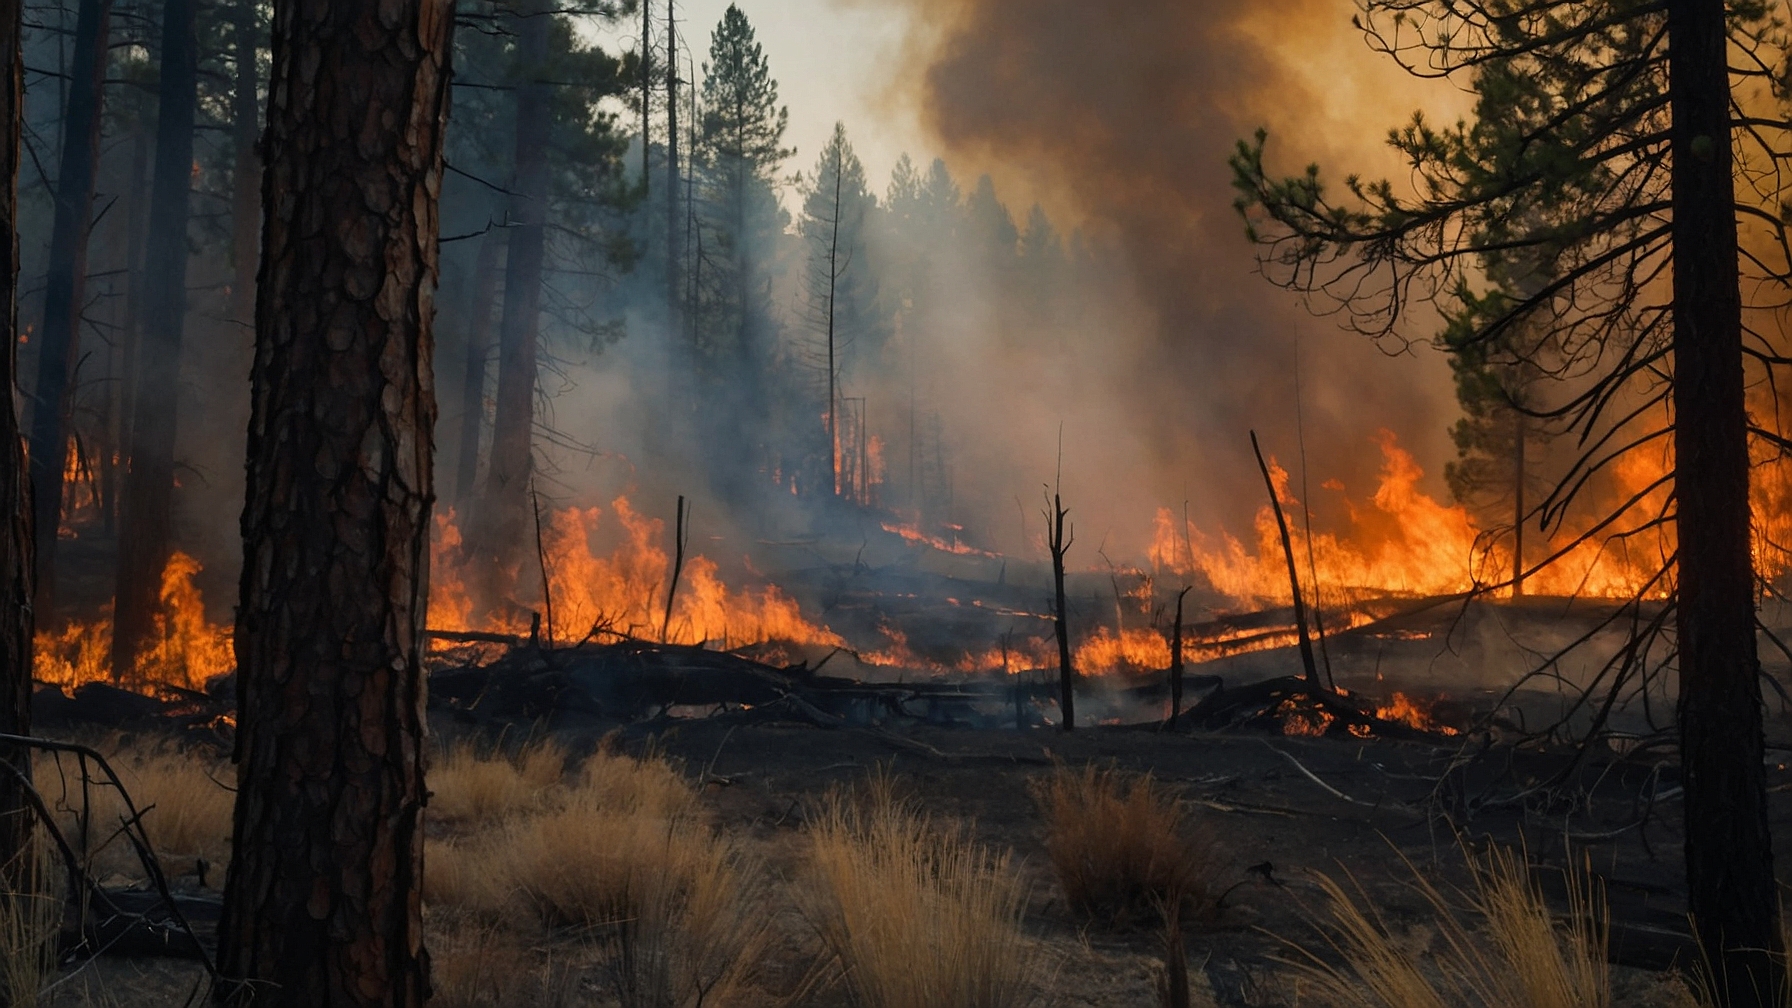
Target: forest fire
621, 591
1401, 541
185, 651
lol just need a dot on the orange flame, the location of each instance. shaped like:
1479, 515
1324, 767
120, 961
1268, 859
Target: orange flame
185, 649
1401, 541
623, 590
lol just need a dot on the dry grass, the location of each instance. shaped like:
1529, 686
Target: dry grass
183, 794
1122, 846
475, 965
623, 856
30, 915
476, 784
914, 913
1520, 955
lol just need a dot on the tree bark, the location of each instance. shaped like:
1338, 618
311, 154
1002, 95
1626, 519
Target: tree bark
143, 542
15, 494
1729, 855
479, 347
245, 207
511, 461
322, 906
59, 343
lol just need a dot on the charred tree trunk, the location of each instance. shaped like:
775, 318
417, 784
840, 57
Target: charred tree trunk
245, 207
1059, 544
674, 247
143, 542
1308, 665
15, 491
322, 906
1729, 856
1176, 661
1518, 507
479, 348
59, 345
506, 506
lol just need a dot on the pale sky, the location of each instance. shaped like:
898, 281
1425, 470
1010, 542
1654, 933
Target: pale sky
834, 60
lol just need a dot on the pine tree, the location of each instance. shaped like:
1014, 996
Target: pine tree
1605, 151
841, 287
739, 150
323, 899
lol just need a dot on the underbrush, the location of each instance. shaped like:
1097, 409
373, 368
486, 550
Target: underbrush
620, 857
913, 913
1521, 954
1122, 847
184, 795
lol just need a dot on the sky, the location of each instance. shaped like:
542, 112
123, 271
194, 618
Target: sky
834, 60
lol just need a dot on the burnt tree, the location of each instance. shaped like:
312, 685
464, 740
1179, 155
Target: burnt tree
1633, 154
15, 488
479, 348
59, 342
322, 905
245, 133
510, 464
148, 498
1058, 540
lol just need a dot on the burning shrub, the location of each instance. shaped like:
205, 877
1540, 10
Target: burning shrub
1121, 846
1521, 956
914, 913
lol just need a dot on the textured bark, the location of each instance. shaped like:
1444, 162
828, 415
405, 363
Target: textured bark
143, 543
507, 505
1729, 856
322, 903
59, 342
479, 347
15, 490
245, 207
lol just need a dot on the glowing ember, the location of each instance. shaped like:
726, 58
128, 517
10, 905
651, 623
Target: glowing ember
915, 535
1298, 719
1413, 714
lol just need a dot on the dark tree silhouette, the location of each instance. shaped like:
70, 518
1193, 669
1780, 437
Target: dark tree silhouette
1605, 154
322, 906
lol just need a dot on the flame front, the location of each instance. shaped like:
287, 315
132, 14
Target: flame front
621, 591
185, 648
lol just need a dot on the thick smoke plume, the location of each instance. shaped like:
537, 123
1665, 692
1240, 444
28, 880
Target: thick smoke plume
1120, 117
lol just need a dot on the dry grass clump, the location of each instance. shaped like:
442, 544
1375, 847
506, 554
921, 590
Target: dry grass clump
1122, 846
30, 917
476, 965
914, 913
624, 856
183, 793
1521, 954
473, 783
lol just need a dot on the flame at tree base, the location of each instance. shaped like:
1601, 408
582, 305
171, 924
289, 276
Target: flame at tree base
185, 649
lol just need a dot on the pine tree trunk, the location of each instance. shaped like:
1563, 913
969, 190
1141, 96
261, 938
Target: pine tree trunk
64, 287
143, 542
511, 461
1729, 855
15, 490
245, 207
322, 906
479, 347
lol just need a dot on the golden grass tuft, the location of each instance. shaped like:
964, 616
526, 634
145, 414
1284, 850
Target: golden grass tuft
183, 793
30, 917
1122, 847
623, 855
1520, 955
474, 965
472, 783
914, 913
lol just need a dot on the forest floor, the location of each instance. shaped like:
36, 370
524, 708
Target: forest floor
1272, 811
